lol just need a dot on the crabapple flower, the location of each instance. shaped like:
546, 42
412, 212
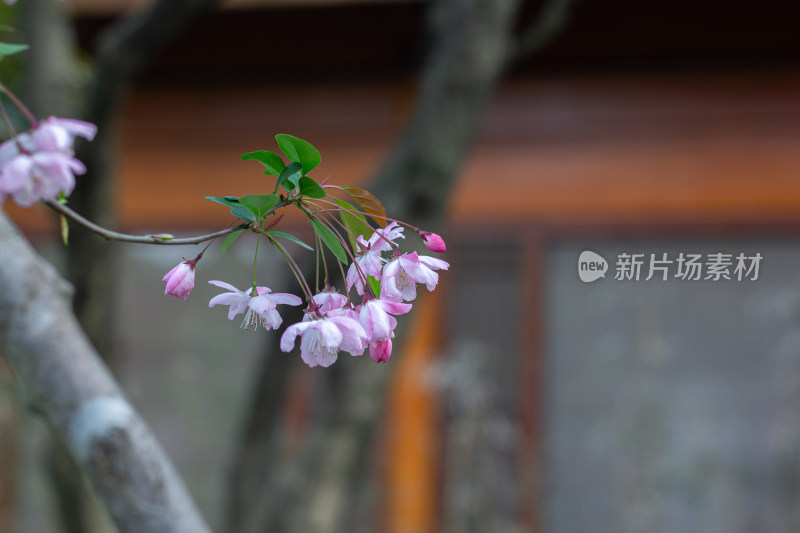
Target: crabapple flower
383, 239
401, 274
42, 176
258, 309
379, 325
369, 260
374, 315
58, 134
328, 300
323, 338
180, 280
369, 263
40, 165
380, 351
432, 241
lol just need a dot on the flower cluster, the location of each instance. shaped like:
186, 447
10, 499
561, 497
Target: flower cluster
384, 279
40, 164
333, 322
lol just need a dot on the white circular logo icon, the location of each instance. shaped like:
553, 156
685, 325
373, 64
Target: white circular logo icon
591, 266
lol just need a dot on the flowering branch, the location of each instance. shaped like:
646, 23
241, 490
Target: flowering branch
163, 238
39, 165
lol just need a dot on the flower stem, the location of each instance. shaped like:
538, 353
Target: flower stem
359, 213
19, 105
293, 267
318, 250
7, 120
255, 262
324, 265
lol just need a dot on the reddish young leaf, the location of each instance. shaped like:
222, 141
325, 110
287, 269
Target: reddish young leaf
368, 202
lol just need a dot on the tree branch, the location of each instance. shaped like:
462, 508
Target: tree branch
548, 24
160, 238
62, 378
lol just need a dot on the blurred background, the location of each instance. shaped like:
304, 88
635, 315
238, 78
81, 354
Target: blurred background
519, 398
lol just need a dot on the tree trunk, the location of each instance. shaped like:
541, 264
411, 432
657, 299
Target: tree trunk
62, 378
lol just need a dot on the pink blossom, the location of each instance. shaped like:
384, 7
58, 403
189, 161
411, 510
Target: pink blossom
42, 176
40, 165
323, 338
383, 239
374, 315
433, 242
259, 309
368, 263
329, 300
380, 351
379, 325
180, 280
401, 274
369, 259
58, 134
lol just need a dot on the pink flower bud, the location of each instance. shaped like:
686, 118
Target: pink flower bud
380, 351
432, 241
180, 280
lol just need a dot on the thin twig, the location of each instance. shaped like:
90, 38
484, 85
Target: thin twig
144, 239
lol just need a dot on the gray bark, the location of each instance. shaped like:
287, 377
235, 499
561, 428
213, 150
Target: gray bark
62, 378
472, 41
9, 454
53, 88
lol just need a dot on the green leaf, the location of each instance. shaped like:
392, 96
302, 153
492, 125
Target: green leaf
355, 223
289, 237
273, 162
244, 213
310, 188
229, 240
227, 201
369, 203
375, 285
330, 240
260, 204
299, 150
292, 173
7, 49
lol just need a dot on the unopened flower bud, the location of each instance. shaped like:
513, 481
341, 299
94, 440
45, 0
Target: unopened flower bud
180, 280
380, 351
432, 241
